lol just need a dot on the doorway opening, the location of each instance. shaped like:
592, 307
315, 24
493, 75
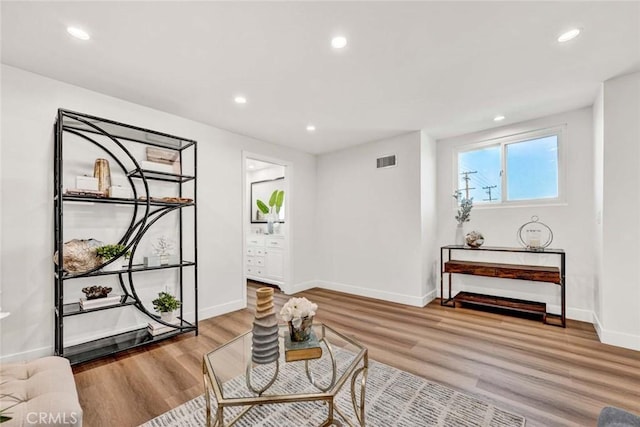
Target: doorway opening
267, 222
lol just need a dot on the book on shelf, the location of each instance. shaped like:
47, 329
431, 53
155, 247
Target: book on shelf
304, 350
157, 328
86, 304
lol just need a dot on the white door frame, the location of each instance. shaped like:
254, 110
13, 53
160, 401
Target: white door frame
246, 219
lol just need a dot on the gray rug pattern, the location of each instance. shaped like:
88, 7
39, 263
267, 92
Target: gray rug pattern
394, 398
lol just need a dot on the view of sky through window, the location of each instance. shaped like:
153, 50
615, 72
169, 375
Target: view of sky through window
486, 164
531, 171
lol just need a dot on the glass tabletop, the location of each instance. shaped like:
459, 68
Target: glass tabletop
235, 377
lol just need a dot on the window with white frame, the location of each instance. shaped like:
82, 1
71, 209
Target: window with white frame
523, 168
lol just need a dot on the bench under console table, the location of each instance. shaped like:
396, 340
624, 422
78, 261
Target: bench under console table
537, 273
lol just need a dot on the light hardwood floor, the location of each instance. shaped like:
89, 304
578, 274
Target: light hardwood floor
550, 375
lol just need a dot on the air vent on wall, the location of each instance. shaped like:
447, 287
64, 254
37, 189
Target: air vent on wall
386, 162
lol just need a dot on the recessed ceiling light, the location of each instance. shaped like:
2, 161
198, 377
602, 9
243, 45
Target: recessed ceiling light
569, 35
338, 42
78, 33
251, 166
240, 100
498, 118
311, 128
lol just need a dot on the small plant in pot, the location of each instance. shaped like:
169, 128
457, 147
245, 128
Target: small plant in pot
166, 304
108, 252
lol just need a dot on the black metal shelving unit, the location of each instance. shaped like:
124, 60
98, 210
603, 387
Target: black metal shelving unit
112, 138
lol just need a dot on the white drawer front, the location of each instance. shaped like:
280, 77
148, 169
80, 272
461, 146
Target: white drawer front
260, 262
259, 252
251, 251
275, 243
251, 260
254, 270
255, 240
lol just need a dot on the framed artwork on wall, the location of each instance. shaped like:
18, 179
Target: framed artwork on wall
262, 190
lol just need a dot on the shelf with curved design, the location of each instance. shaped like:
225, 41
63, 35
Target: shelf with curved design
160, 176
74, 308
121, 201
135, 268
113, 344
109, 136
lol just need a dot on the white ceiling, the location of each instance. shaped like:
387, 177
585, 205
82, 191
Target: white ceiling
445, 67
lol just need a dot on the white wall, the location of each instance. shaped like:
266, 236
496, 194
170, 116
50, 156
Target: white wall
618, 320
29, 106
598, 194
429, 213
369, 221
571, 222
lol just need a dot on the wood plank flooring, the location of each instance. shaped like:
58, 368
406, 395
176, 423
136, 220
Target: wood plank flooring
550, 375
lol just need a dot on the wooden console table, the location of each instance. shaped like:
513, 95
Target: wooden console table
537, 273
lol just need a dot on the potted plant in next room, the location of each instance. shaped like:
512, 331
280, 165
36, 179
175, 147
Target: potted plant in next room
108, 252
166, 304
275, 204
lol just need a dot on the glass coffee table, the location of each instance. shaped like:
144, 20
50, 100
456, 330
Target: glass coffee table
309, 388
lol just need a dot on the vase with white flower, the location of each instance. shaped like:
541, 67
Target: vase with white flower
299, 312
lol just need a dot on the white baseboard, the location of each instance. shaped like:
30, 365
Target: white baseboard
374, 293
597, 325
218, 310
303, 286
579, 314
619, 339
430, 296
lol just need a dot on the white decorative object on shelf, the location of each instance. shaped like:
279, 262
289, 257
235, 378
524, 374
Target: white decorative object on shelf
459, 234
535, 235
163, 248
120, 192
87, 304
474, 239
87, 183
156, 167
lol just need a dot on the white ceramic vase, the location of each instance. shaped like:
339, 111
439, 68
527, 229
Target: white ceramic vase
167, 316
460, 234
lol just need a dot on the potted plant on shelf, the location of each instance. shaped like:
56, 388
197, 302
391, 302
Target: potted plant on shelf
166, 304
273, 210
108, 252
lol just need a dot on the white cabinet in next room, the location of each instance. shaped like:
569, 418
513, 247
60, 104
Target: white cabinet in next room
265, 258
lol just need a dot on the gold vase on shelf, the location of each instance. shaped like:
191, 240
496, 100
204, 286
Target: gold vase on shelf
102, 172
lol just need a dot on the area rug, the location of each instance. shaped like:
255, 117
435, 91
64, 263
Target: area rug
393, 398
